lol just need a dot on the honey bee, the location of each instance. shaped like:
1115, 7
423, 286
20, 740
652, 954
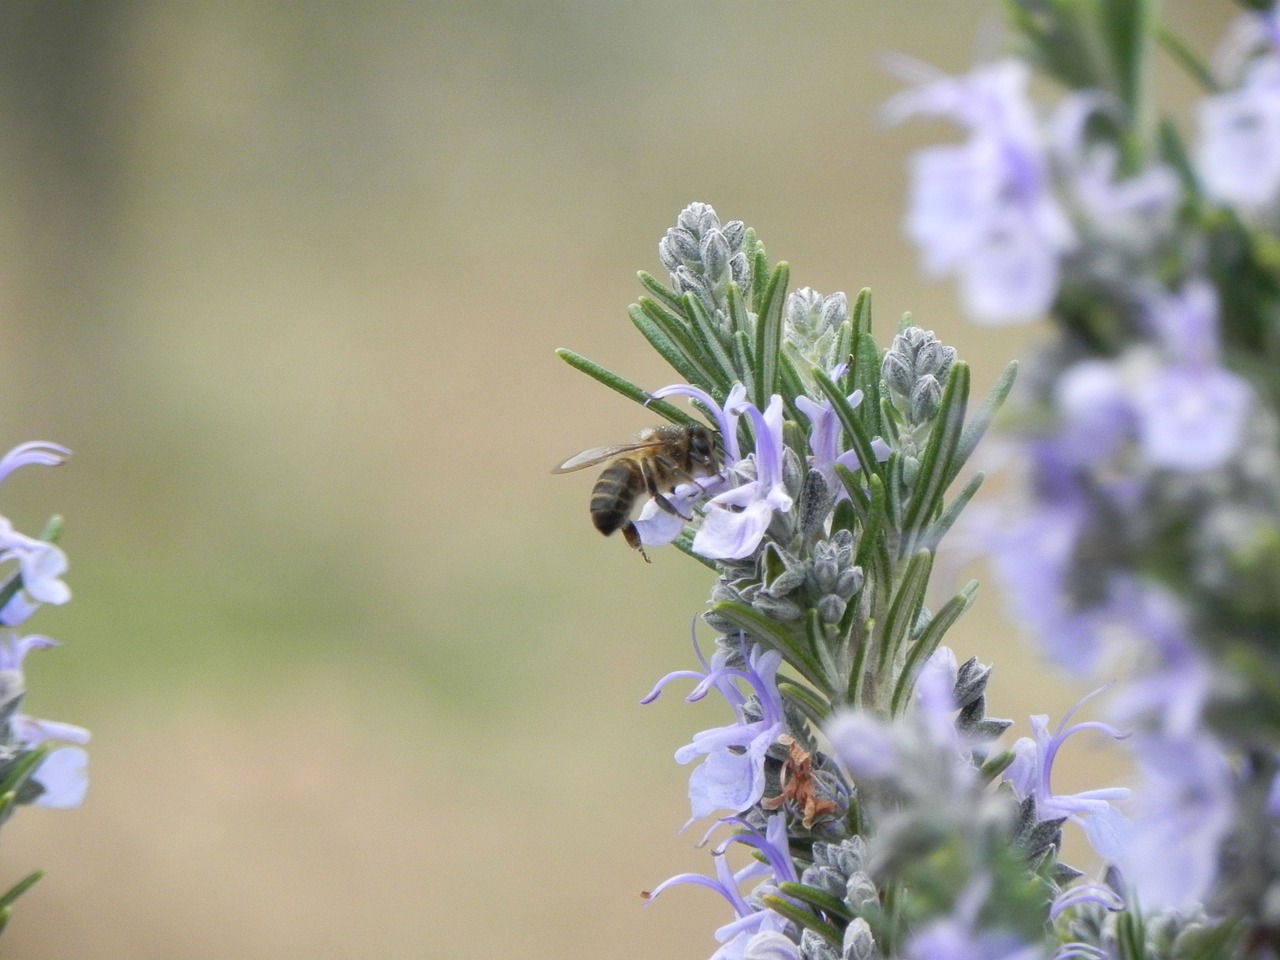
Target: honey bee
655, 462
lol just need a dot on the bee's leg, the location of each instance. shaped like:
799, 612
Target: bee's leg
632, 536
651, 485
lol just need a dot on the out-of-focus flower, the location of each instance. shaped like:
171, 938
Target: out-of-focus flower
956, 938
1191, 412
1169, 850
984, 209
63, 774
1239, 156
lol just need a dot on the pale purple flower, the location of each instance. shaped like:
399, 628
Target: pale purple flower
13, 649
37, 452
41, 564
731, 777
63, 774
984, 209
1117, 208
1239, 156
656, 526
1169, 851
1029, 776
751, 919
1097, 893
1126, 214
824, 438
1192, 417
1094, 410
64, 777
956, 938
1191, 413
1175, 678
1034, 555
935, 698
865, 744
736, 520
951, 940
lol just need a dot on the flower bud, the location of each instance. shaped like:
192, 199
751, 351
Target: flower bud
715, 256
925, 397
831, 608
859, 944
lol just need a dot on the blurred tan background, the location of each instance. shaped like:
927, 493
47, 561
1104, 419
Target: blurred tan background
363, 681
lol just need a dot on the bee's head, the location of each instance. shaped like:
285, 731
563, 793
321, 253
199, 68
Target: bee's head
702, 447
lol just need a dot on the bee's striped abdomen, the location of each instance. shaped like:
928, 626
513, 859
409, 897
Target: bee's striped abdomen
615, 493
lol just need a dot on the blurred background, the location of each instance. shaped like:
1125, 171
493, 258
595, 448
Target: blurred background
363, 680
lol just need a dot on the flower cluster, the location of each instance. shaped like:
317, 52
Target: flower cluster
858, 766
1146, 547
33, 768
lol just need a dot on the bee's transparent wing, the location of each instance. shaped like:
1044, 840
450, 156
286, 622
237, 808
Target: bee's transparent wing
589, 458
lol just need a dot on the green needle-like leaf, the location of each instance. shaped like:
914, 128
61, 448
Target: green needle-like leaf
924, 646
983, 416
817, 638
768, 342
802, 918
774, 635
18, 889
792, 386
711, 341
818, 899
21, 771
873, 551
620, 385
937, 466
861, 313
1175, 154
938, 529
755, 252
739, 317
1188, 59
668, 349
996, 765
905, 609
742, 359
668, 297
678, 331
817, 710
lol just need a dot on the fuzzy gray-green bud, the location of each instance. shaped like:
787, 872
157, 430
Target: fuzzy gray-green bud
770, 945
810, 323
915, 368
859, 891
678, 248
814, 947
703, 256
815, 503
715, 256
849, 582
859, 944
831, 608
777, 608
925, 397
